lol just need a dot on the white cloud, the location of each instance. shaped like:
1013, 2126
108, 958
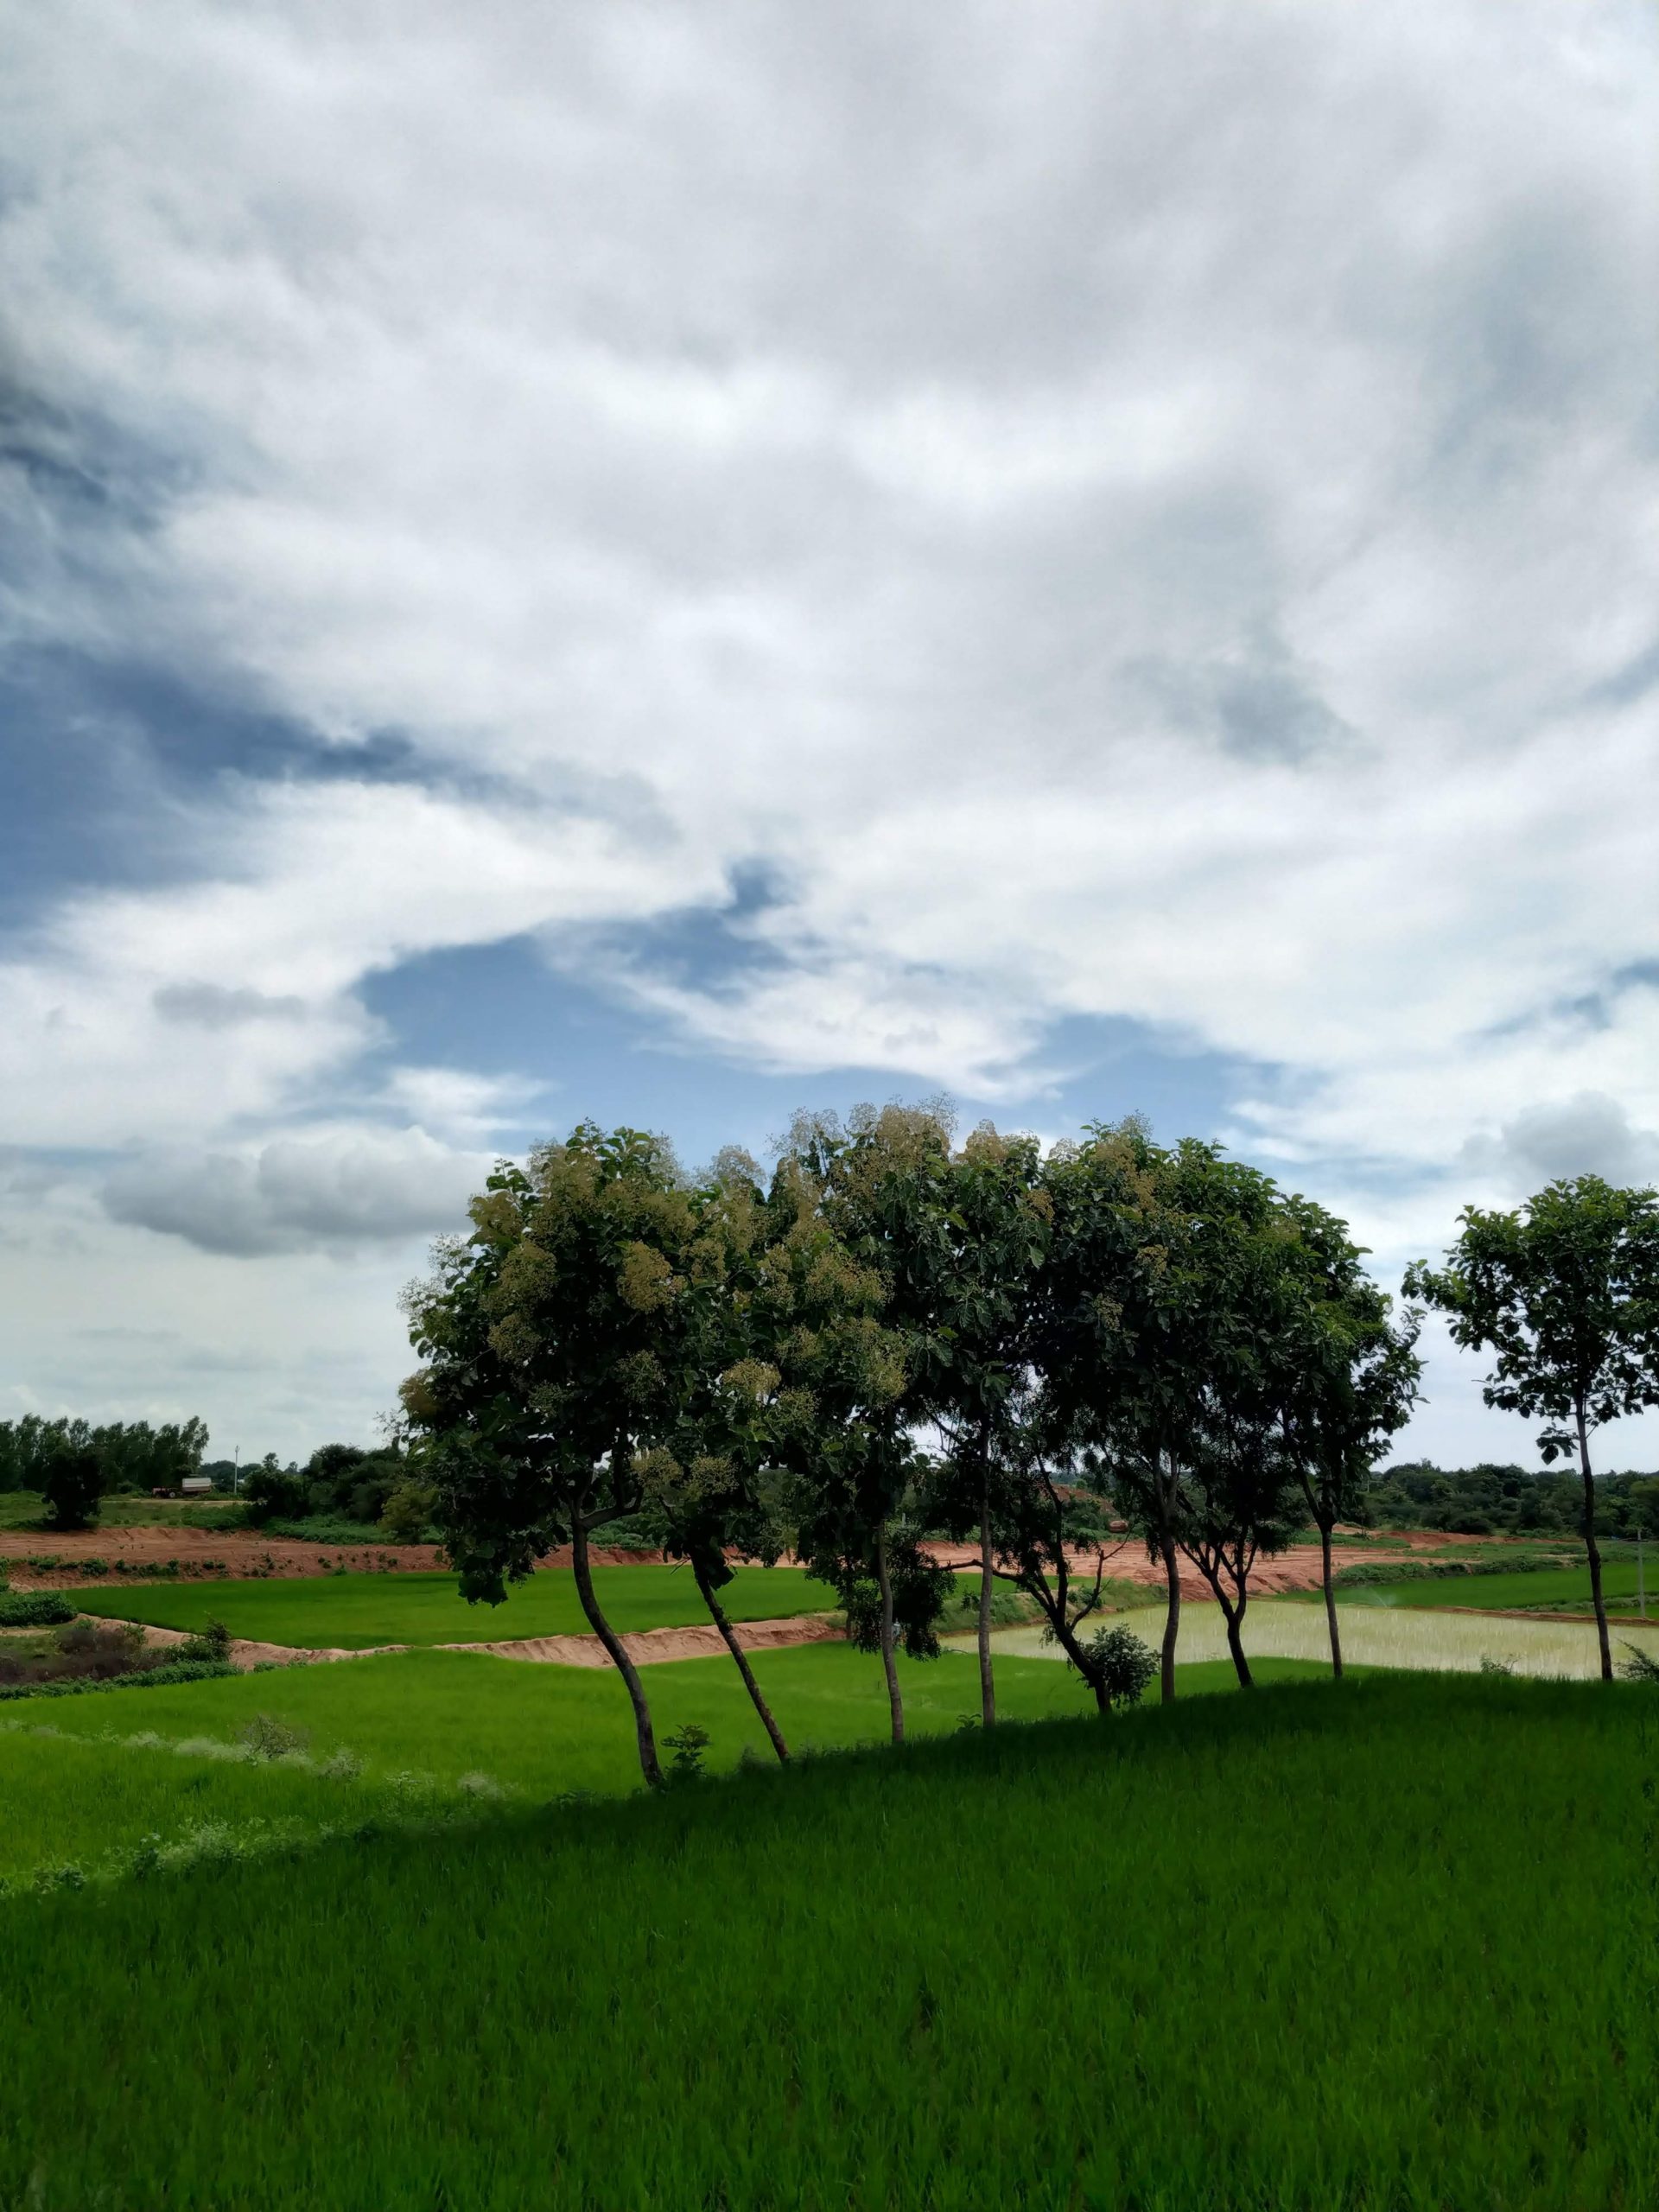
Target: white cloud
1155, 520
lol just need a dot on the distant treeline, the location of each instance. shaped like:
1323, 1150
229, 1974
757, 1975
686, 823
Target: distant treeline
131, 1455
1491, 1500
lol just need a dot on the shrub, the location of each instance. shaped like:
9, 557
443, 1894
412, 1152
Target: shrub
170, 1670
1640, 1667
408, 1512
266, 1736
213, 1642
271, 1493
1122, 1663
33, 1609
687, 1745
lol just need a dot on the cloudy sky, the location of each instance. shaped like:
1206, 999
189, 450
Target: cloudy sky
669, 562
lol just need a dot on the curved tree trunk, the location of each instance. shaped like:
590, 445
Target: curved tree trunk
1235, 1619
884, 1581
650, 1765
1594, 1548
987, 1680
717, 1613
1331, 1603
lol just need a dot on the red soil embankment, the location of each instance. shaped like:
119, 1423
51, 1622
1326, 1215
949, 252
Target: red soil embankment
151, 1554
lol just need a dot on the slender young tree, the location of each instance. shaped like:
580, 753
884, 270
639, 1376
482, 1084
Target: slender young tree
549, 1346
1045, 1540
862, 1236
979, 1310
1352, 1378
1565, 1291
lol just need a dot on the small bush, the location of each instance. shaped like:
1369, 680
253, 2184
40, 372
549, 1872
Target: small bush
327, 1529
407, 1514
1640, 1667
1121, 1664
33, 1609
266, 1736
687, 1745
213, 1642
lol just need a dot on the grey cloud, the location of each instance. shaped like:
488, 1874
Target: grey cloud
1254, 704
336, 1192
1589, 1133
210, 1005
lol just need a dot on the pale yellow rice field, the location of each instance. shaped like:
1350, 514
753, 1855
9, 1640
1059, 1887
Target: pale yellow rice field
1372, 1636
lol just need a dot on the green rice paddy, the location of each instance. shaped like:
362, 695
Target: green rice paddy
1541, 1588
535, 1732
1387, 1944
355, 1613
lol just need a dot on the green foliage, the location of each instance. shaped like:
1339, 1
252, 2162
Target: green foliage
72, 1483
747, 2041
1509, 1500
542, 1338
33, 1609
1639, 1666
212, 1641
1565, 1291
266, 1736
687, 1746
1121, 1665
166, 1672
327, 1529
406, 1518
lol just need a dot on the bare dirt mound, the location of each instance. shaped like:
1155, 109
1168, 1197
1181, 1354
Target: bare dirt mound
646, 1646
245, 1654
1299, 1568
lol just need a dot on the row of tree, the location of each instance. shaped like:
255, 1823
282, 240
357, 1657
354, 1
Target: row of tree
72, 1464
889, 1334
1502, 1499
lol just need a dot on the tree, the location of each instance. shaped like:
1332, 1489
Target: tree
1565, 1290
545, 1338
852, 1211
1039, 1526
978, 1305
72, 1484
1121, 1354
711, 1485
1350, 1383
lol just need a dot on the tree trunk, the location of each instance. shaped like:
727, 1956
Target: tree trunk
987, 1680
895, 1700
717, 1613
649, 1766
1171, 1619
1594, 1548
1331, 1603
1235, 1644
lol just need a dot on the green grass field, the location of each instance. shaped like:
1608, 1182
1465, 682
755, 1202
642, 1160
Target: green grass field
354, 1612
1391, 1944
538, 1730
22, 1508
1552, 1587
